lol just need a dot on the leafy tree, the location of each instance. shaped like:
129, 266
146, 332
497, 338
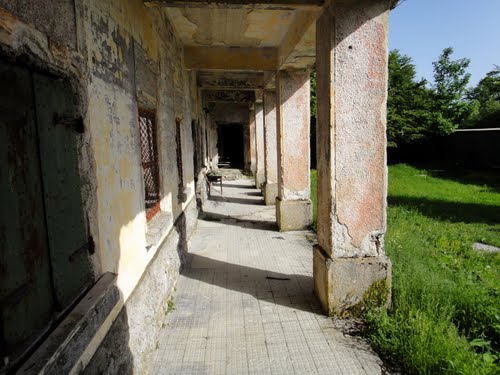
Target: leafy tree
313, 92
408, 104
487, 95
450, 90
416, 111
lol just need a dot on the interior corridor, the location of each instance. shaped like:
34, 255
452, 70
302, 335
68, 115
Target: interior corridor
244, 304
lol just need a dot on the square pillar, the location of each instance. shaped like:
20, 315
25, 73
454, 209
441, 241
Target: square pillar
293, 205
260, 176
351, 271
246, 149
270, 189
250, 144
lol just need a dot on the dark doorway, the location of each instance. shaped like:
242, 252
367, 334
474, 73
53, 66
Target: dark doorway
230, 145
44, 258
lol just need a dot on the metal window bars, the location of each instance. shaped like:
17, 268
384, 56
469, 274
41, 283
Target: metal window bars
149, 161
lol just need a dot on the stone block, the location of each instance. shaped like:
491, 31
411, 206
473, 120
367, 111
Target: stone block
260, 179
348, 286
270, 191
293, 214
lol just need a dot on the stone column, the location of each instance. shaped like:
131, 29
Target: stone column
270, 189
351, 271
293, 206
250, 157
246, 149
260, 176
253, 143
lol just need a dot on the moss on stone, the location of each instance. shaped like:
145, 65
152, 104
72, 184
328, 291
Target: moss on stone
377, 295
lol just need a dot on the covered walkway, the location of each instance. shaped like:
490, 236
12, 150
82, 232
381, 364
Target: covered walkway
245, 302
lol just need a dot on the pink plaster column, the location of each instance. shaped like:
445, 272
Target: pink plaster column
351, 71
260, 176
270, 189
293, 205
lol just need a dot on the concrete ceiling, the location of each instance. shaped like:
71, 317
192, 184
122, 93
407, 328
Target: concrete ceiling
219, 27
240, 44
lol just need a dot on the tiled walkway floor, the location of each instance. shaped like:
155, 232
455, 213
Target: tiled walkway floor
245, 305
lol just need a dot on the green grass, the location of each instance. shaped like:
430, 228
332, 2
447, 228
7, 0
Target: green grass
445, 316
314, 197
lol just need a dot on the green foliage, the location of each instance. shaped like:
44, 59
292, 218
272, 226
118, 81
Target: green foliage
314, 197
169, 306
445, 316
450, 87
408, 104
450, 77
313, 93
415, 111
487, 96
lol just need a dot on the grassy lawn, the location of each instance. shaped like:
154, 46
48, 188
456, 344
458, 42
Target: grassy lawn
445, 316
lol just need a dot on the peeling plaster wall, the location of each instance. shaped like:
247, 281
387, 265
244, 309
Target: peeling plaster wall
120, 36
118, 56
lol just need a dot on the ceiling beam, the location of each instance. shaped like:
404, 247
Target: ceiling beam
291, 42
238, 4
228, 96
230, 58
230, 80
269, 80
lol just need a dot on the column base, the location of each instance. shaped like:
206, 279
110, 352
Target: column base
346, 287
260, 180
270, 192
293, 214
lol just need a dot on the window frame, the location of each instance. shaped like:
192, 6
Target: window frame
150, 163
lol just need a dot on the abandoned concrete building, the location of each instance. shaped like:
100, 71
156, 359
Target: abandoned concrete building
111, 115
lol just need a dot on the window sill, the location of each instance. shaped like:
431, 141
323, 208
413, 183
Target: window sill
62, 350
157, 227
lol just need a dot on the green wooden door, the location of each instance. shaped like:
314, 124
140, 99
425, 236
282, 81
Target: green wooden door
44, 258
66, 224
26, 294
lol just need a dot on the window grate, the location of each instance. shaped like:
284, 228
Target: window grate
149, 161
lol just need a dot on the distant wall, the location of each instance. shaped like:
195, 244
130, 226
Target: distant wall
480, 148
472, 148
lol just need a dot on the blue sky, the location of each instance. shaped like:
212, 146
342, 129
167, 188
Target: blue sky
421, 29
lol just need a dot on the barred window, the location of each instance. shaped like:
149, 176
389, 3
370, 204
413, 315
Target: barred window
149, 161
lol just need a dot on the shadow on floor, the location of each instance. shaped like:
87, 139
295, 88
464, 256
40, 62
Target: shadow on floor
224, 184
251, 202
254, 194
290, 290
228, 220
